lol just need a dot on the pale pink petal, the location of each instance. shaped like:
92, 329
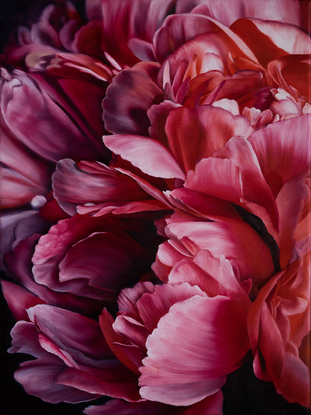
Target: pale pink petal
283, 150
177, 30
234, 239
147, 154
155, 305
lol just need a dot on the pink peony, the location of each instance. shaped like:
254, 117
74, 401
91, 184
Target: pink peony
182, 359
156, 202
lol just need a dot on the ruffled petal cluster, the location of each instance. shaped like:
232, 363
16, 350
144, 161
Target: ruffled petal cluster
155, 202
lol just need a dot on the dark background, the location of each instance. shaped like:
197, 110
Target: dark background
244, 394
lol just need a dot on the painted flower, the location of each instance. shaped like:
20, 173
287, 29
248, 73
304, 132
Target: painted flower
184, 337
156, 201
82, 263
199, 61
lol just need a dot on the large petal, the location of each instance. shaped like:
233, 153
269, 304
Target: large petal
279, 39
54, 135
70, 330
194, 346
232, 238
283, 150
198, 133
91, 182
149, 155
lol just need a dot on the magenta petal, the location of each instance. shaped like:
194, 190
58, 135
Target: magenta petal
128, 354
176, 30
38, 376
149, 155
240, 243
19, 263
91, 182
54, 134
111, 271
194, 346
19, 299
283, 150
154, 306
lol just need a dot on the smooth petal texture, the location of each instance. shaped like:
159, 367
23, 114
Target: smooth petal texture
245, 182
19, 185
19, 264
280, 315
283, 150
107, 263
38, 376
197, 134
176, 30
234, 239
86, 382
71, 329
128, 354
276, 37
47, 123
91, 182
167, 375
38, 379
152, 307
16, 226
132, 19
229, 10
149, 155
215, 276
290, 201
19, 299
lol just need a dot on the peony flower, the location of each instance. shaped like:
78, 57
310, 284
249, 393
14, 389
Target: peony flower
182, 359
156, 201
200, 61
